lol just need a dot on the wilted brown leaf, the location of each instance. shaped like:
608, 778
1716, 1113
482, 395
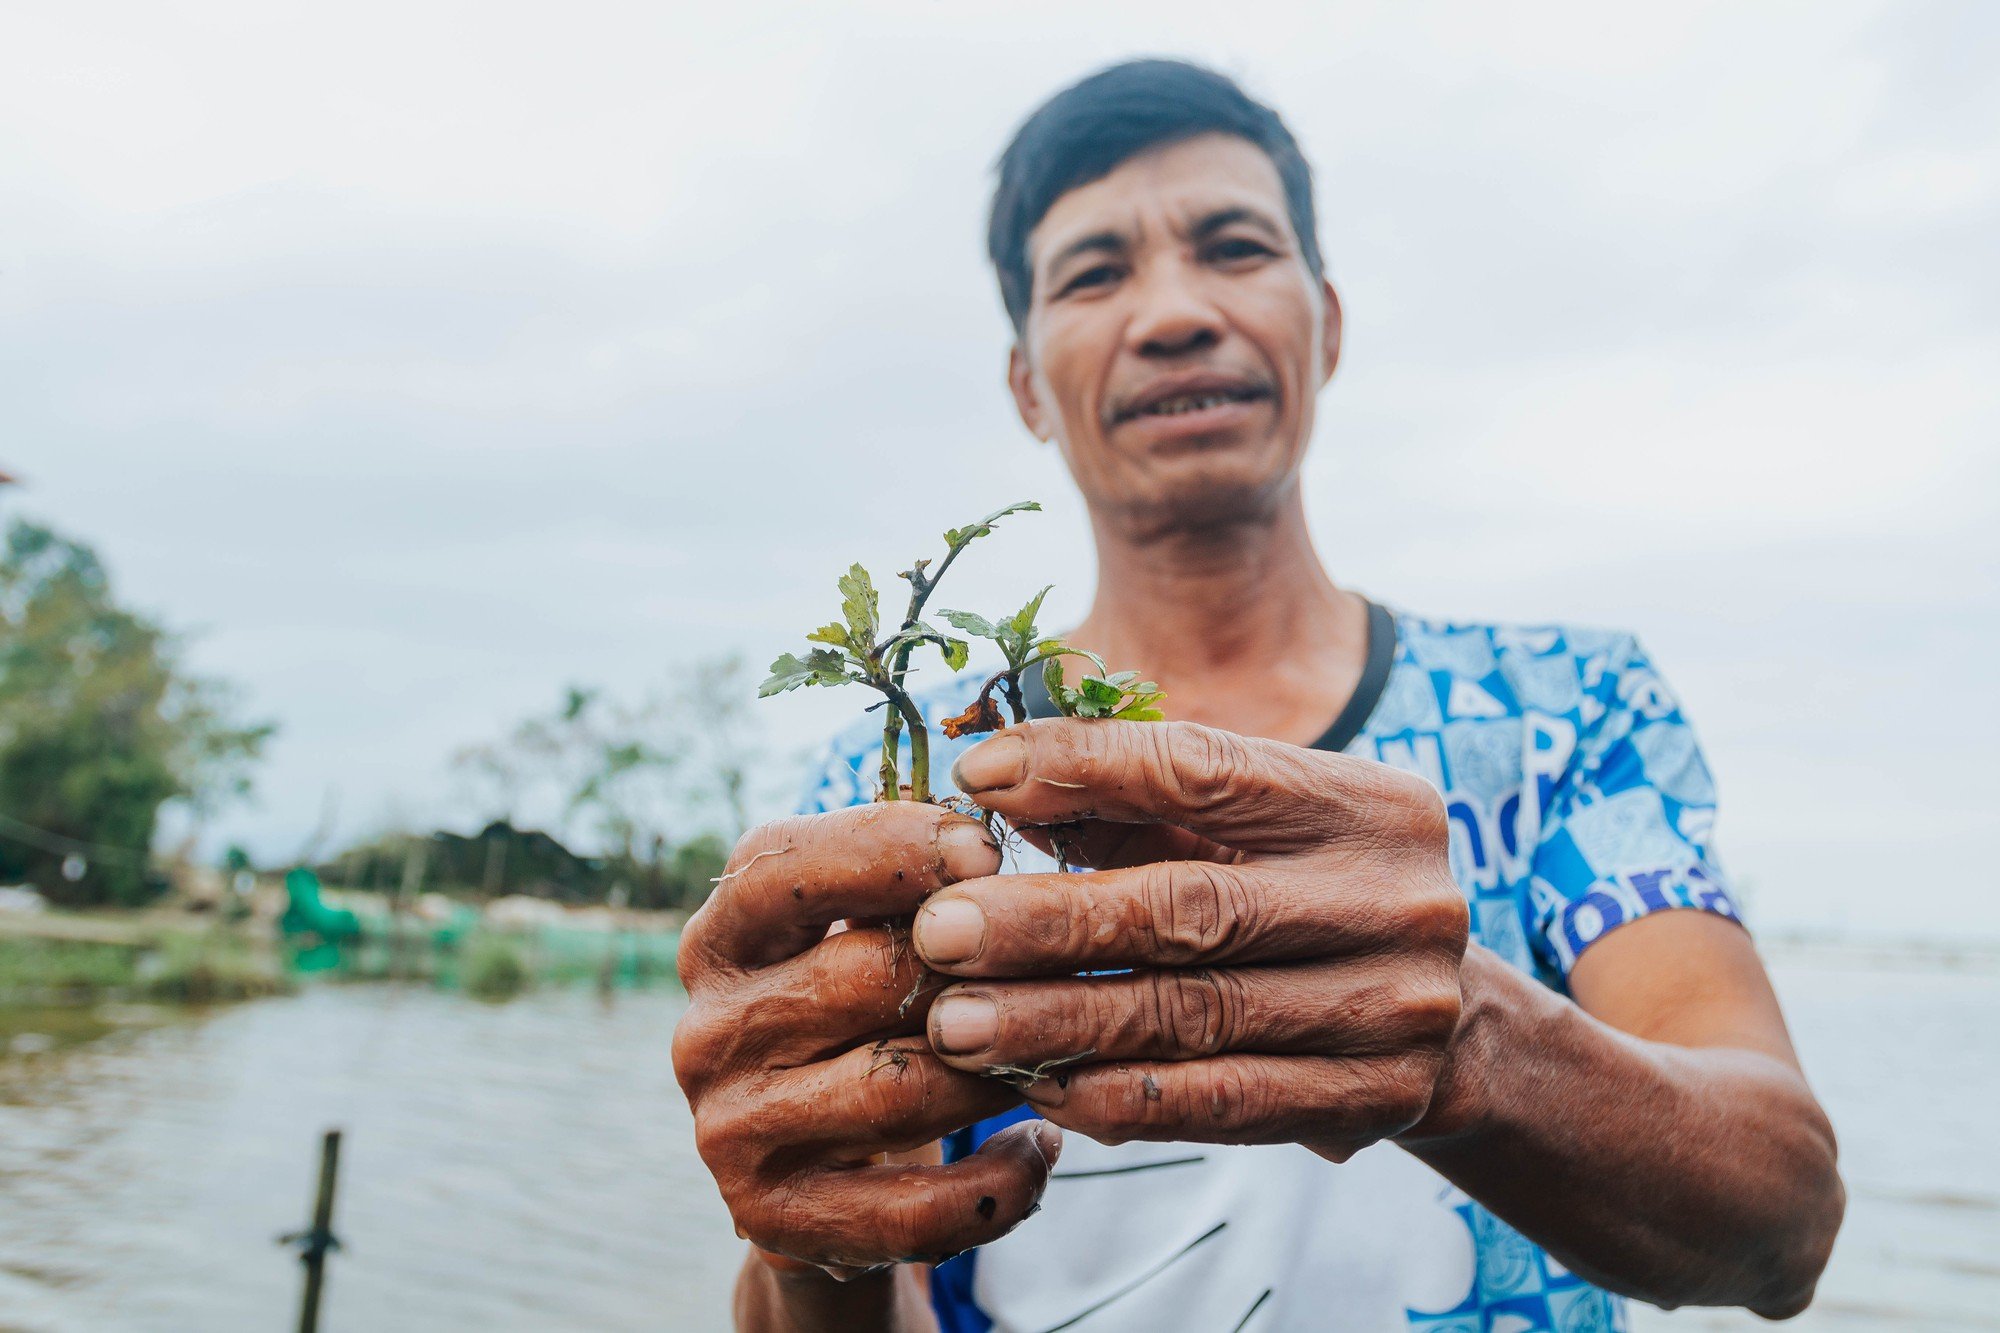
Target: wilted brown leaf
984, 715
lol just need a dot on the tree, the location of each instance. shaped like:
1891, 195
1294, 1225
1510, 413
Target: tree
100, 726
714, 706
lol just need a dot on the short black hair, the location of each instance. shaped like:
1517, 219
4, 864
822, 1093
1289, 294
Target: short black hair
1085, 131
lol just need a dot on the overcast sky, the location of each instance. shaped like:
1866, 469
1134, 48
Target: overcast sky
425, 357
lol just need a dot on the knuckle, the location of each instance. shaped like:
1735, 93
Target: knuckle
1198, 909
694, 959
1195, 1012
1223, 1096
779, 1219
841, 969
1393, 1095
694, 1046
720, 1135
1442, 919
1200, 766
1430, 1012
1426, 820
1408, 1094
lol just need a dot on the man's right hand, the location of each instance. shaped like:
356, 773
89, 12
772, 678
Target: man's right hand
802, 1052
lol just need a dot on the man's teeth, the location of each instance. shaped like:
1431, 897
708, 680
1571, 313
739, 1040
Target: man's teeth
1192, 402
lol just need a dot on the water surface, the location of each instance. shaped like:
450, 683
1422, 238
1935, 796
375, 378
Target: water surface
528, 1166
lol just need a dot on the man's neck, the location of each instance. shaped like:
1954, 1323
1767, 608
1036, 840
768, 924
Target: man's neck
1240, 624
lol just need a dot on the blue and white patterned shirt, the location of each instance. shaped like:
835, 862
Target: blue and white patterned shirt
1578, 801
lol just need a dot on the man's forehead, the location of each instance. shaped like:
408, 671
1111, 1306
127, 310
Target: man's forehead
1178, 182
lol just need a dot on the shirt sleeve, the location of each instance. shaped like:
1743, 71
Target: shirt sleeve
834, 779
1628, 830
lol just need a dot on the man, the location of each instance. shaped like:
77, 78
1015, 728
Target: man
1298, 1095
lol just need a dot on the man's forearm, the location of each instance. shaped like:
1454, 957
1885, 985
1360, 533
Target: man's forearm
806, 1300
1679, 1176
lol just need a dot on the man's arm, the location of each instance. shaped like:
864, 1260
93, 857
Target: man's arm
1656, 1136
806, 1300
1299, 972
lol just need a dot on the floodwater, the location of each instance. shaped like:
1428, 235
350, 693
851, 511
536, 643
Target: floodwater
528, 1166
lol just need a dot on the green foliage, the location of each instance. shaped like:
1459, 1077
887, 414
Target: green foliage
209, 968
36, 969
1121, 695
857, 652
494, 967
100, 726
205, 967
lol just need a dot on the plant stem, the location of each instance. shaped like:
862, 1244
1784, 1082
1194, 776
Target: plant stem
1011, 687
892, 727
920, 746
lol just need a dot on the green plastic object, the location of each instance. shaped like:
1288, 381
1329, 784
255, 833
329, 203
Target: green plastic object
305, 913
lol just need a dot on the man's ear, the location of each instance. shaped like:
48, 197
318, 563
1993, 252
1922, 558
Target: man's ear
1021, 380
1330, 332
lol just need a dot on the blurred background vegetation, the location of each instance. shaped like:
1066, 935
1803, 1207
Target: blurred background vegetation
102, 729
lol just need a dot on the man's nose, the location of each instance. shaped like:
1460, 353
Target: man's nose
1173, 318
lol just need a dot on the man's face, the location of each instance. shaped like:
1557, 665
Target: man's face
1176, 339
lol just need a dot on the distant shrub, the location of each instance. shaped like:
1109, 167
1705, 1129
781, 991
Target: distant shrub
493, 968
209, 968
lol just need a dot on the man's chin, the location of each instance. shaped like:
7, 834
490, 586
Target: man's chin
1196, 493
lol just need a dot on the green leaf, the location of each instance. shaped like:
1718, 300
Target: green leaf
1100, 691
821, 666
956, 651
787, 673
1023, 623
957, 537
860, 604
833, 634
979, 627
1060, 694
1139, 712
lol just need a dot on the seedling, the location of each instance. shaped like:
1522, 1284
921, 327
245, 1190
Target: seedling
857, 652
1121, 695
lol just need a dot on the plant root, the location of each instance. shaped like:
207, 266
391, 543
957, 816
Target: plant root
1022, 1075
891, 1057
775, 851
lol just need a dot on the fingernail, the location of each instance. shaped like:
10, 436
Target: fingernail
991, 765
1049, 1138
950, 930
1050, 1091
964, 1024
967, 851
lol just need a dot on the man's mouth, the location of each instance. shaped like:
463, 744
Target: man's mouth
1199, 399
1195, 402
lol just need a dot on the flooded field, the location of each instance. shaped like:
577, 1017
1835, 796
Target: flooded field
527, 1166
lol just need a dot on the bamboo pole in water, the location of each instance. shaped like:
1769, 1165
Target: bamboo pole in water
314, 1244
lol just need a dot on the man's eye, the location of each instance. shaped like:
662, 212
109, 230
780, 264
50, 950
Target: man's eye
1238, 247
1091, 277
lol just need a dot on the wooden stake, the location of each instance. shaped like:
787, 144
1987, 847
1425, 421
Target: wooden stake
314, 1243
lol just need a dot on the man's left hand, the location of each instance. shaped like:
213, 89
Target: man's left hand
1288, 916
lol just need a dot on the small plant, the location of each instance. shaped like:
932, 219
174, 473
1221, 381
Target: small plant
856, 651
1123, 695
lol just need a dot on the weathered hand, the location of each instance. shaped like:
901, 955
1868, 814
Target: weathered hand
802, 1056
1289, 916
